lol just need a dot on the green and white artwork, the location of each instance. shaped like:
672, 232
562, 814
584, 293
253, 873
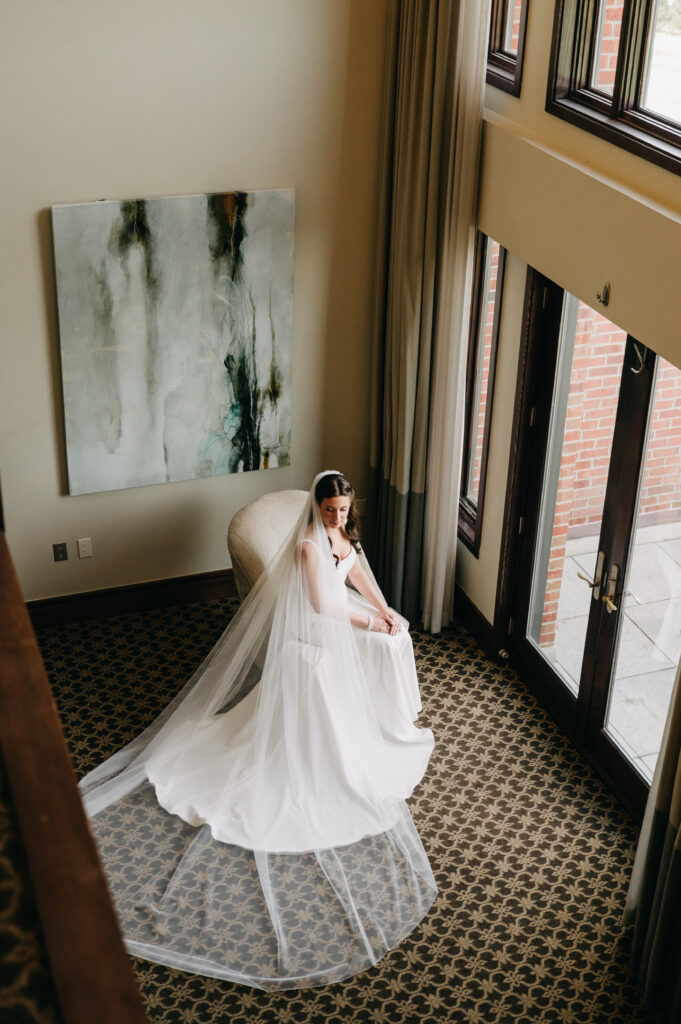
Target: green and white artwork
176, 335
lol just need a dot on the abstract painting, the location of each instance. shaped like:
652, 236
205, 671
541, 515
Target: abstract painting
176, 336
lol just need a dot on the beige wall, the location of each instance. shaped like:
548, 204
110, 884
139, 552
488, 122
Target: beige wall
124, 100
583, 212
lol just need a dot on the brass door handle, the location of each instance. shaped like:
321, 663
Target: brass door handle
595, 583
610, 589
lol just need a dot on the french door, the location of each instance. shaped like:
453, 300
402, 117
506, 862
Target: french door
594, 612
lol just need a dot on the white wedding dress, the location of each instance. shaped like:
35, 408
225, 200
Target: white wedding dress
205, 772
257, 831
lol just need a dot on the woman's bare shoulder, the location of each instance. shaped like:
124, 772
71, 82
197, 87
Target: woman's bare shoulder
308, 545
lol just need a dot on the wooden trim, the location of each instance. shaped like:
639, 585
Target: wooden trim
137, 597
468, 509
90, 967
542, 312
475, 622
620, 119
580, 717
632, 54
466, 531
625, 133
505, 70
479, 260
619, 517
471, 509
567, 724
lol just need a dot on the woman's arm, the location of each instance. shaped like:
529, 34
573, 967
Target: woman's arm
309, 564
386, 621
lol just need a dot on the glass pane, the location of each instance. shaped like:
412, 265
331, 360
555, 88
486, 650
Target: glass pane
661, 91
586, 391
649, 641
512, 27
607, 44
483, 350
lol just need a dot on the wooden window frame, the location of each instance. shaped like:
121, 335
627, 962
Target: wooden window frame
470, 510
619, 119
505, 70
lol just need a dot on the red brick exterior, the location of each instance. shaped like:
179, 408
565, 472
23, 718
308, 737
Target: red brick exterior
610, 39
513, 22
589, 428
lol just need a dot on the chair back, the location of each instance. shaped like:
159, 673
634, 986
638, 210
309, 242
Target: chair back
257, 531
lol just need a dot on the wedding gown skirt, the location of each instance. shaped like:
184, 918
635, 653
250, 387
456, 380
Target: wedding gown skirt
300, 875
205, 771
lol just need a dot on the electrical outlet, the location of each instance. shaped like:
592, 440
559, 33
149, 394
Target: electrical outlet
60, 552
84, 547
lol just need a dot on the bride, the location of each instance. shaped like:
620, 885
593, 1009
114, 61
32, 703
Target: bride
257, 830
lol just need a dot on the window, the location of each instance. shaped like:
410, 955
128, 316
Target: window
616, 71
488, 280
507, 44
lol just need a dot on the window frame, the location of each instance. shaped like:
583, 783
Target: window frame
620, 119
505, 70
471, 510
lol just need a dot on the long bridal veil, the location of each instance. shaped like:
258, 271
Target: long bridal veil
257, 830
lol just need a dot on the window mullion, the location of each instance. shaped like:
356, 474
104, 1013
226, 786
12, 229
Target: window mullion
496, 26
632, 53
593, 17
502, 8
480, 261
505, 64
585, 44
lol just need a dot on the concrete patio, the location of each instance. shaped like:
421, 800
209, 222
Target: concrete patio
650, 637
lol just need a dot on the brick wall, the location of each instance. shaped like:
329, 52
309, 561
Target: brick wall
513, 24
609, 43
589, 428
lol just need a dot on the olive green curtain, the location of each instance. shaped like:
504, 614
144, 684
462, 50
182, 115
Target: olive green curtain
434, 83
654, 898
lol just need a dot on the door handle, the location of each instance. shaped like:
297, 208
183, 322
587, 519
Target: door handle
640, 355
595, 583
610, 590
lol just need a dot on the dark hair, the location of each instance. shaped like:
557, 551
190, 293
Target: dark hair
334, 485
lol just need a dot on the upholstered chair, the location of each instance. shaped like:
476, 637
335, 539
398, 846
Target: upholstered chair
256, 533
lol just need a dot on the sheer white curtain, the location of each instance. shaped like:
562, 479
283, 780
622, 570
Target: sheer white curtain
433, 114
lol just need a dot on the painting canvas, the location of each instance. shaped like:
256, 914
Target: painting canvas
176, 335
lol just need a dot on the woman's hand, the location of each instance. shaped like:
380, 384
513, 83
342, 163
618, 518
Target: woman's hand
393, 619
388, 623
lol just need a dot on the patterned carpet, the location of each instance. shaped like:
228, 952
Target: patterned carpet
531, 852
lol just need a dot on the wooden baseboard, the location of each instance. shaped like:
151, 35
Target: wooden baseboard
475, 622
138, 597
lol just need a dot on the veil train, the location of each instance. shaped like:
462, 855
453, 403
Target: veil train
257, 830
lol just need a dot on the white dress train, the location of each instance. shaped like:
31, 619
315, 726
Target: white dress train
257, 830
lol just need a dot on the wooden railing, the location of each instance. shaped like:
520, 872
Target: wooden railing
92, 975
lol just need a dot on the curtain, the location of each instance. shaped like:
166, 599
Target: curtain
434, 84
654, 897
